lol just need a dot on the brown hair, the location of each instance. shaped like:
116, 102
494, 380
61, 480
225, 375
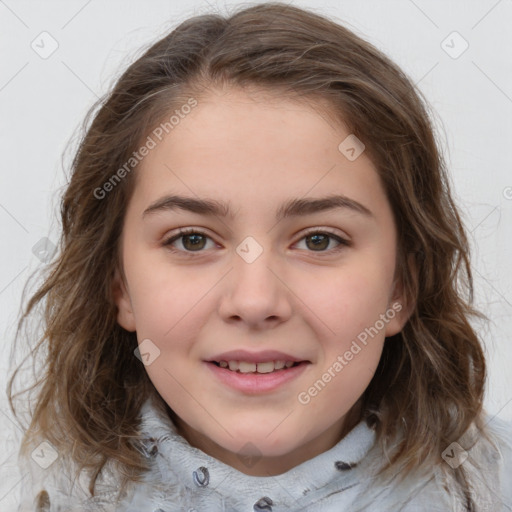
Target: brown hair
429, 385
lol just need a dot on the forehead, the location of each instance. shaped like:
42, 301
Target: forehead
237, 145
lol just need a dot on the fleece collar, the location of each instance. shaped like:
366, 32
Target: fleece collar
199, 472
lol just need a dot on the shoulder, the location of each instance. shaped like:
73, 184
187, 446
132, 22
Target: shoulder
486, 461
50, 484
500, 432
485, 456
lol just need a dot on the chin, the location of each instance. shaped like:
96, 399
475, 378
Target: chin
258, 442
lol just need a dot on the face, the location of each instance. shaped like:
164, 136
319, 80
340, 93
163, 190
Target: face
273, 279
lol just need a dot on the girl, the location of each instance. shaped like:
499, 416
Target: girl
263, 291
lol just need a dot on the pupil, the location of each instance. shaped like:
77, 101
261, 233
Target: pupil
194, 243
316, 244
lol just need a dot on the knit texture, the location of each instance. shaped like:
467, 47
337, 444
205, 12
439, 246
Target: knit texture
183, 478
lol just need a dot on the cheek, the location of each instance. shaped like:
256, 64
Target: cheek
162, 293
345, 387
348, 299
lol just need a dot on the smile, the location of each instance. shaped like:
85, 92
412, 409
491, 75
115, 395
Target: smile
256, 378
248, 367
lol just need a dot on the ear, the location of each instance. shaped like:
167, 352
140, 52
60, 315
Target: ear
399, 308
125, 316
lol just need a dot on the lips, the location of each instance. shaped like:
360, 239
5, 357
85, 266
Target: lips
256, 382
255, 357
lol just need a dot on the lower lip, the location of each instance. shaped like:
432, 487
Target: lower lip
254, 383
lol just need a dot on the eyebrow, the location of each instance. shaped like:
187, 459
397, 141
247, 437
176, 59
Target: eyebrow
291, 208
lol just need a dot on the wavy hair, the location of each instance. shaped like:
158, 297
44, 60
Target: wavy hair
428, 388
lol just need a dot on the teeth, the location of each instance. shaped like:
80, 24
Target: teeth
266, 367
246, 367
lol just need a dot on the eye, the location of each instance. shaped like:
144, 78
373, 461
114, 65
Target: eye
194, 240
320, 240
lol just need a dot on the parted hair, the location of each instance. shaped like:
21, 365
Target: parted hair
428, 388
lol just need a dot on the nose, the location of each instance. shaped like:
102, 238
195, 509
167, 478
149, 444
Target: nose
255, 291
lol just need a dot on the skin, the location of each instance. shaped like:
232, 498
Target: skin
257, 152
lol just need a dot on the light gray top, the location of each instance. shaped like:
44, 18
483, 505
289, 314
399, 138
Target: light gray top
183, 478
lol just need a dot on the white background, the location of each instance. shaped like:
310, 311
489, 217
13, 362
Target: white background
43, 101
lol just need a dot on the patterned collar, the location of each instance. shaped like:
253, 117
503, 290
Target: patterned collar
182, 465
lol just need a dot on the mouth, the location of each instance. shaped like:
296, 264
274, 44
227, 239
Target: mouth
259, 377
254, 373
265, 367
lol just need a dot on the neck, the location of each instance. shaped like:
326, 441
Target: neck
268, 465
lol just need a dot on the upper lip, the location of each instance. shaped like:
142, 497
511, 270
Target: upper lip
255, 357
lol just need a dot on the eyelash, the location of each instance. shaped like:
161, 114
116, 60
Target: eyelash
191, 231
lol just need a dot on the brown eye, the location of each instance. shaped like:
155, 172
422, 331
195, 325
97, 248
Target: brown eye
320, 241
191, 241
194, 241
